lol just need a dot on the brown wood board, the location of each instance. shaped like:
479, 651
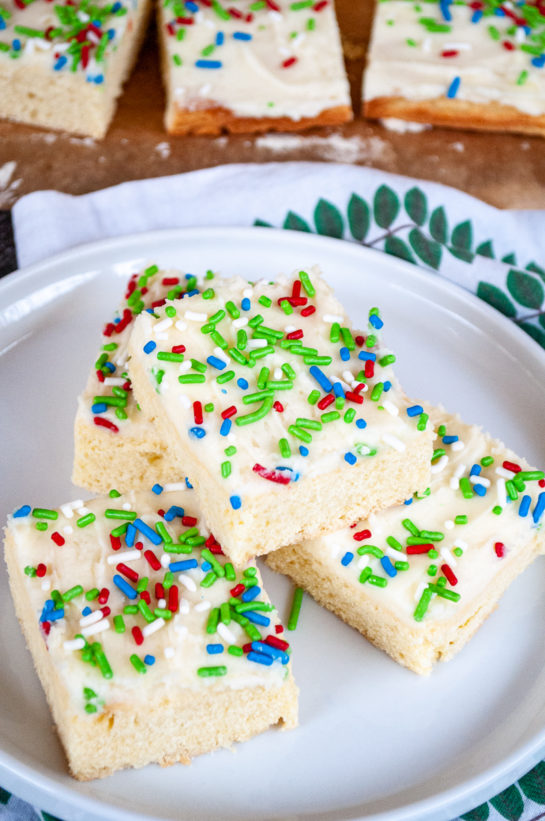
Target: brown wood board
504, 170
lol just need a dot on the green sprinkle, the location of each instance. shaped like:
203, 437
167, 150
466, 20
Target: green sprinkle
205, 672
112, 513
225, 469
313, 397
145, 610
209, 579
497, 510
308, 287
225, 377
451, 595
119, 624
130, 609
77, 590
461, 519
441, 430
423, 604
114, 494
494, 33
92, 594
364, 575
162, 613
486, 461
330, 416
30, 571
225, 613
311, 24
458, 551
370, 550
288, 370
511, 490
216, 566
371, 341
168, 580
256, 415
393, 542
348, 339
432, 535
101, 660
213, 619
465, 487
422, 421
284, 448
432, 570
230, 574
378, 581
90, 708
232, 310
400, 565
433, 554
45, 513
88, 519
376, 393
411, 527
259, 396
137, 663
311, 424
257, 320
264, 300
300, 433
349, 415
192, 378
530, 475
234, 650
286, 307
119, 531
298, 592
523, 76
142, 584
437, 453
335, 333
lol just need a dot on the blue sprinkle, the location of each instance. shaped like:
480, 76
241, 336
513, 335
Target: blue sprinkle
124, 586
408, 502
387, 385
188, 483
130, 535
220, 37
267, 650
61, 62
2, 24
350, 458
194, 292
197, 432
345, 354
55, 615
236, 504
449, 440
99, 79
185, 564
338, 389
347, 558
445, 11
219, 364
225, 427
388, 566
480, 490
251, 593
499, 12
415, 410
205, 567
99, 407
475, 470
147, 531
188, 276
452, 90
257, 618
539, 509
191, 6
208, 63
110, 366
375, 321
476, 16
320, 378
245, 304
361, 424
150, 346
242, 383
86, 611
111, 34
241, 35
157, 489
22, 511
524, 506
116, 7
48, 608
16, 44
172, 512
367, 356
214, 649
260, 658
303, 450
538, 62
149, 659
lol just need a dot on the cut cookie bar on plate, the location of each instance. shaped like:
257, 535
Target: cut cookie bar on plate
419, 579
113, 440
62, 65
251, 66
287, 421
150, 646
475, 65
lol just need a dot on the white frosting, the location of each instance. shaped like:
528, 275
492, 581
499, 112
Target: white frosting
251, 80
488, 71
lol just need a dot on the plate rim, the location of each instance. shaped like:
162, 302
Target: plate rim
454, 799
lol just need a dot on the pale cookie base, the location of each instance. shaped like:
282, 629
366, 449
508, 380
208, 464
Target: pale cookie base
133, 459
175, 728
443, 111
64, 101
304, 509
215, 120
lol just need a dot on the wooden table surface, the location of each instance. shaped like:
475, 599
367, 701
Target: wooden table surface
507, 171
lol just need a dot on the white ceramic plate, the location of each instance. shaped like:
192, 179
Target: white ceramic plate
375, 740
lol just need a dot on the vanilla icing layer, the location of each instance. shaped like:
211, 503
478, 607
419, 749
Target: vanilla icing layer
77, 553
419, 50
468, 525
268, 59
263, 394
69, 39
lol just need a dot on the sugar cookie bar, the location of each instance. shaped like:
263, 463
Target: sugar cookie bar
419, 579
463, 64
113, 440
252, 66
149, 645
62, 65
287, 422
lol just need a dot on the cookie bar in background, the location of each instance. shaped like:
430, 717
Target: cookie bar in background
251, 66
287, 421
149, 645
475, 65
419, 579
63, 64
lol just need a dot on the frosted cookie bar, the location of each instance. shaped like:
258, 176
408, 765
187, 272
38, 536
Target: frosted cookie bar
251, 66
63, 64
288, 422
476, 65
113, 440
149, 645
419, 579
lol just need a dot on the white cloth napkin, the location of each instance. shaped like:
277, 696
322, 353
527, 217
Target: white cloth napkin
437, 227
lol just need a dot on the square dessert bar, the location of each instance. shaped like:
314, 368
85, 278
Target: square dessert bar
251, 66
287, 421
475, 65
149, 645
419, 579
63, 64
114, 441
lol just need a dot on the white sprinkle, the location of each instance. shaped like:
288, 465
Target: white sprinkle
454, 483
184, 607
289, 329
460, 543
278, 373
394, 442
82, 511
241, 322
419, 590
363, 561
123, 556
506, 474
180, 325
479, 480
184, 366
91, 618
126, 505
114, 380
74, 644
348, 377
153, 627
225, 633
184, 400
449, 524
169, 652
457, 46
257, 343
440, 465
161, 326
46, 584
202, 606
392, 409
162, 603
195, 316
165, 560
174, 486
99, 627
501, 492
187, 582
221, 355
448, 556
364, 450
520, 34
394, 554
460, 470
67, 511
68, 530
331, 318
459, 445
248, 293
426, 44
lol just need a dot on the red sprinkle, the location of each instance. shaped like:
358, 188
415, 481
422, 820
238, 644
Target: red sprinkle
247, 648
279, 629
58, 539
197, 413
278, 406
508, 46
295, 334
173, 599
189, 521
359, 340
541, 483
325, 401
128, 572
277, 476
310, 309
103, 596
228, 412
159, 591
175, 280
354, 397
280, 644
152, 560
105, 611
137, 635
146, 597
499, 547
450, 52
237, 590
449, 574
46, 627
512, 466
414, 549
320, 5
100, 376
210, 541
41, 570
178, 348
369, 369
105, 423
271, 4
289, 62
362, 534
139, 545
115, 542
